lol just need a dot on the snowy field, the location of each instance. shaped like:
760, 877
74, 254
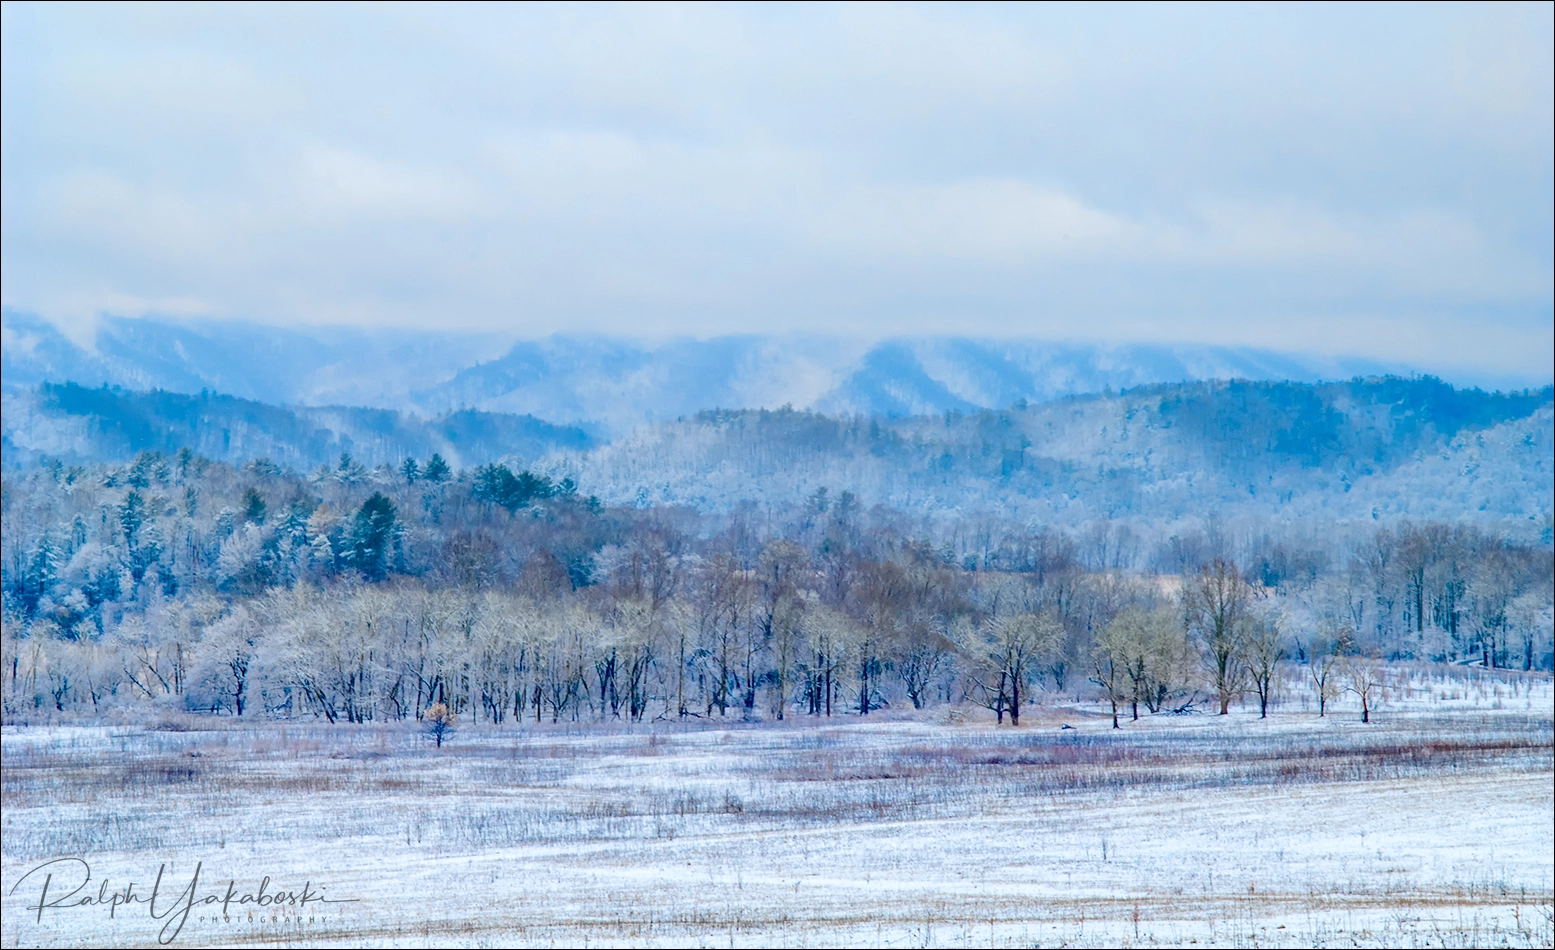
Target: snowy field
1432, 826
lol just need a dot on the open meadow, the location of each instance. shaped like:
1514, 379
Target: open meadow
1431, 826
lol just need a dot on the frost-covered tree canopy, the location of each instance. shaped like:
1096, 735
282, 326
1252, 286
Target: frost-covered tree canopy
766, 562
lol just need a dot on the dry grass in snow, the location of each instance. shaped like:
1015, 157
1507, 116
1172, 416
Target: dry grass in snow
1432, 826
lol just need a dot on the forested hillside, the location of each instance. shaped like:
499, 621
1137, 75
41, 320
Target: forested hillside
1152, 461
1374, 449
356, 596
764, 562
77, 424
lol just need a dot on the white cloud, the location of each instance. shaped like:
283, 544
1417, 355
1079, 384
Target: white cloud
337, 183
1179, 171
998, 221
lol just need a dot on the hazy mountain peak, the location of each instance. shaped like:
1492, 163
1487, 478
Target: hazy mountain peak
614, 384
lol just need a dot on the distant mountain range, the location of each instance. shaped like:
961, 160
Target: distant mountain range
327, 366
609, 386
74, 423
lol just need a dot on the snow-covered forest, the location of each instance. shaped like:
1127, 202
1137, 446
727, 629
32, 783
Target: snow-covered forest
363, 594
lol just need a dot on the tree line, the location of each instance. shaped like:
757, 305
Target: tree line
363, 595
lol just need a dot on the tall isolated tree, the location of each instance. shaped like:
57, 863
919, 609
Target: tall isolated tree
1363, 677
1216, 602
1264, 650
1323, 652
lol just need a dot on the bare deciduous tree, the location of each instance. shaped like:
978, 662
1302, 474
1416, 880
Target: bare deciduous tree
1364, 677
1264, 651
1216, 602
1153, 650
1109, 670
919, 661
1322, 654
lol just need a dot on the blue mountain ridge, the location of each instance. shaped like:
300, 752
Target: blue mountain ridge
611, 385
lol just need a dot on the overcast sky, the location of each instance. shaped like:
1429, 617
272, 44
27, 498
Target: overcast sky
1373, 181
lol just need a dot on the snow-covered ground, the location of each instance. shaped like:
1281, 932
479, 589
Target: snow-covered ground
1434, 825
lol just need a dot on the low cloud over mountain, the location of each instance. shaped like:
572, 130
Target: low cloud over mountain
612, 385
